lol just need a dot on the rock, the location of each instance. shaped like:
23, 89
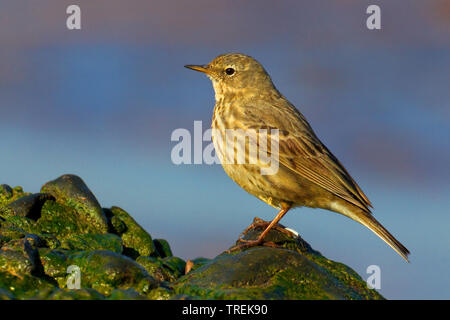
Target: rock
25, 286
19, 257
70, 190
105, 271
5, 295
8, 194
160, 293
129, 294
162, 248
91, 242
199, 262
35, 241
28, 206
75, 294
175, 265
293, 270
156, 268
136, 241
6, 191
55, 264
43, 236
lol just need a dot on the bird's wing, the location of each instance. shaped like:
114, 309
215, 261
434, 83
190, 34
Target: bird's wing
301, 151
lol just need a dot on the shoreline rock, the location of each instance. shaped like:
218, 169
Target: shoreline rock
63, 228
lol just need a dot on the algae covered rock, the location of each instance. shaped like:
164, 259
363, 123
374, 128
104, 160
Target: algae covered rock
92, 242
136, 241
8, 194
105, 271
70, 190
291, 270
18, 257
28, 206
164, 269
163, 248
47, 235
61, 244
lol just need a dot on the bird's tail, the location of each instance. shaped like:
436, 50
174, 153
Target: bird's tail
370, 222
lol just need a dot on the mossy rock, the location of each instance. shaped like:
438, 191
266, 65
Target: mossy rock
71, 191
257, 273
8, 194
198, 262
44, 235
160, 293
291, 270
24, 286
28, 206
162, 248
156, 268
105, 271
136, 241
75, 294
128, 294
91, 242
54, 263
19, 258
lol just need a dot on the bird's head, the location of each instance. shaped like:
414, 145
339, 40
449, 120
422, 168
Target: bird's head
235, 72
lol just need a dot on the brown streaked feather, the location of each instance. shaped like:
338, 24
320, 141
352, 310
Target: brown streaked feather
301, 151
322, 168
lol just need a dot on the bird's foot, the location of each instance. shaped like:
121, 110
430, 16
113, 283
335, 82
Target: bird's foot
262, 224
245, 244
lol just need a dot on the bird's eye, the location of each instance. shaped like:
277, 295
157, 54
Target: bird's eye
229, 71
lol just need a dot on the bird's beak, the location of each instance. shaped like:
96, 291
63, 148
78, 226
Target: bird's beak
203, 69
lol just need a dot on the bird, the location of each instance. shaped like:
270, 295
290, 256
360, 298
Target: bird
307, 175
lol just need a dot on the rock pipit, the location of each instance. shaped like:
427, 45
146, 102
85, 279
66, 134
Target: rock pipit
307, 174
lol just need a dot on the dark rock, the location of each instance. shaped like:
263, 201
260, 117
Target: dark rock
38, 251
50, 240
35, 241
28, 206
292, 270
175, 265
20, 257
199, 262
8, 194
258, 274
55, 263
118, 225
156, 268
6, 191
70, 190
105, 271
162, 248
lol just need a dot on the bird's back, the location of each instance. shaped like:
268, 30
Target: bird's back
300, 150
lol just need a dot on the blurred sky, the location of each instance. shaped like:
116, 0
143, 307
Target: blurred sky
102, 102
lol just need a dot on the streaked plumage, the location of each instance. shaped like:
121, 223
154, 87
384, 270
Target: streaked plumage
309, 174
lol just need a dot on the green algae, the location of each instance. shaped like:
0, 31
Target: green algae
118, 259
135, 239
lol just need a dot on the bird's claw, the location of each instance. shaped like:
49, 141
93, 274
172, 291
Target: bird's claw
245, 244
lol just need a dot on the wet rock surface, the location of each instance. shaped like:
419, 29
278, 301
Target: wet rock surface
61, 244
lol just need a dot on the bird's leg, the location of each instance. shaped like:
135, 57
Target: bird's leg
257, 223
252, 243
